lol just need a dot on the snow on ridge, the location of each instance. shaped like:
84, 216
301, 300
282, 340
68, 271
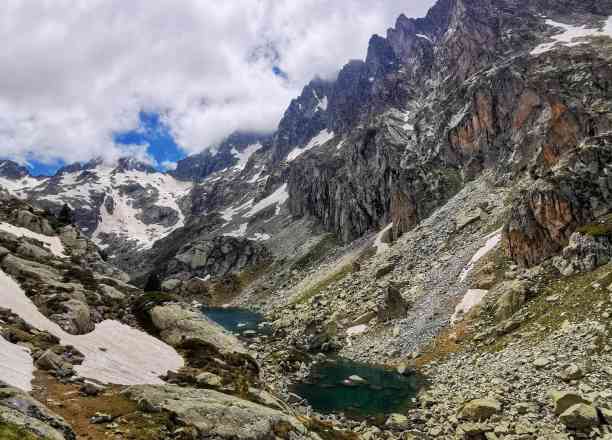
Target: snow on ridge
244, 156
572, 33
425, 37
18, 186
321, 103
114, 352
53, 244
124, 219
321, 138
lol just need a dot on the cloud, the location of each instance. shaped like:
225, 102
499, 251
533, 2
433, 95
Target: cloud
72, 74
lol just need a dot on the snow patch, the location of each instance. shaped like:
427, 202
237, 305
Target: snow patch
229, 213
278, 197
244, 156
321, 138
356, 330
378, 243
240, 232
425, 37
16, 365
53, 244
458, 117
493, 240
18, 186
571, 34
260, 236
114, 352
472, 298
124, 218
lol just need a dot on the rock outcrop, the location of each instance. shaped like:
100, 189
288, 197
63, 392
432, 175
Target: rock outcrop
216, 415
21, 410
573, 194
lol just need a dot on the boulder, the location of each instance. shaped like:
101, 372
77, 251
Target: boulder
580, 417
216, 415
31, 221
209, 380
111, 293
177, 325
392, 306
79, 315
50, 361
572, 372
512, 296
584, 253
28, 250
480, 409
397, 422
562, 400
384, 270
21, 410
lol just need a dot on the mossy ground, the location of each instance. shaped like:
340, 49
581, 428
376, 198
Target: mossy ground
8, 431
600, 228
321, 285
316, 253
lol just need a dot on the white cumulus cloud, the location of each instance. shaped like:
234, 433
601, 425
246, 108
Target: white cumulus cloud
74, 73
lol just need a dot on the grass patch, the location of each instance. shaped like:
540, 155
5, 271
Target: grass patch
601, 228
315, 289
580, 297
316, 253
9, 431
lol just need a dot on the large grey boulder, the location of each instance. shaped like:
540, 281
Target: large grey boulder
512, 296
177, 325
31, 221
20, 409
584, 253
217, 415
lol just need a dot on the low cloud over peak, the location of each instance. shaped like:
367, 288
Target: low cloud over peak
74, 74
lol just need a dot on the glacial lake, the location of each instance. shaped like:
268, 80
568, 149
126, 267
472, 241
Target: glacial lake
382, 392
237, 320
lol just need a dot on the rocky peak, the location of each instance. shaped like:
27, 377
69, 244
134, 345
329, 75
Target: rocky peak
305, 117
199, 166
12, 170
132, 164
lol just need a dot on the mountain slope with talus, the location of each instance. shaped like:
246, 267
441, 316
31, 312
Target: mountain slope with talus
442, 205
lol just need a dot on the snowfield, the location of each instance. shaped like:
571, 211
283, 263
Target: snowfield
320, 139
114, 352
472, 298
572, 35
493, 240
52, 244
244, 157
16, 366
278, 197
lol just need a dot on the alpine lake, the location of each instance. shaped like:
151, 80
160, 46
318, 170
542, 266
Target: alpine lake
335, 384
